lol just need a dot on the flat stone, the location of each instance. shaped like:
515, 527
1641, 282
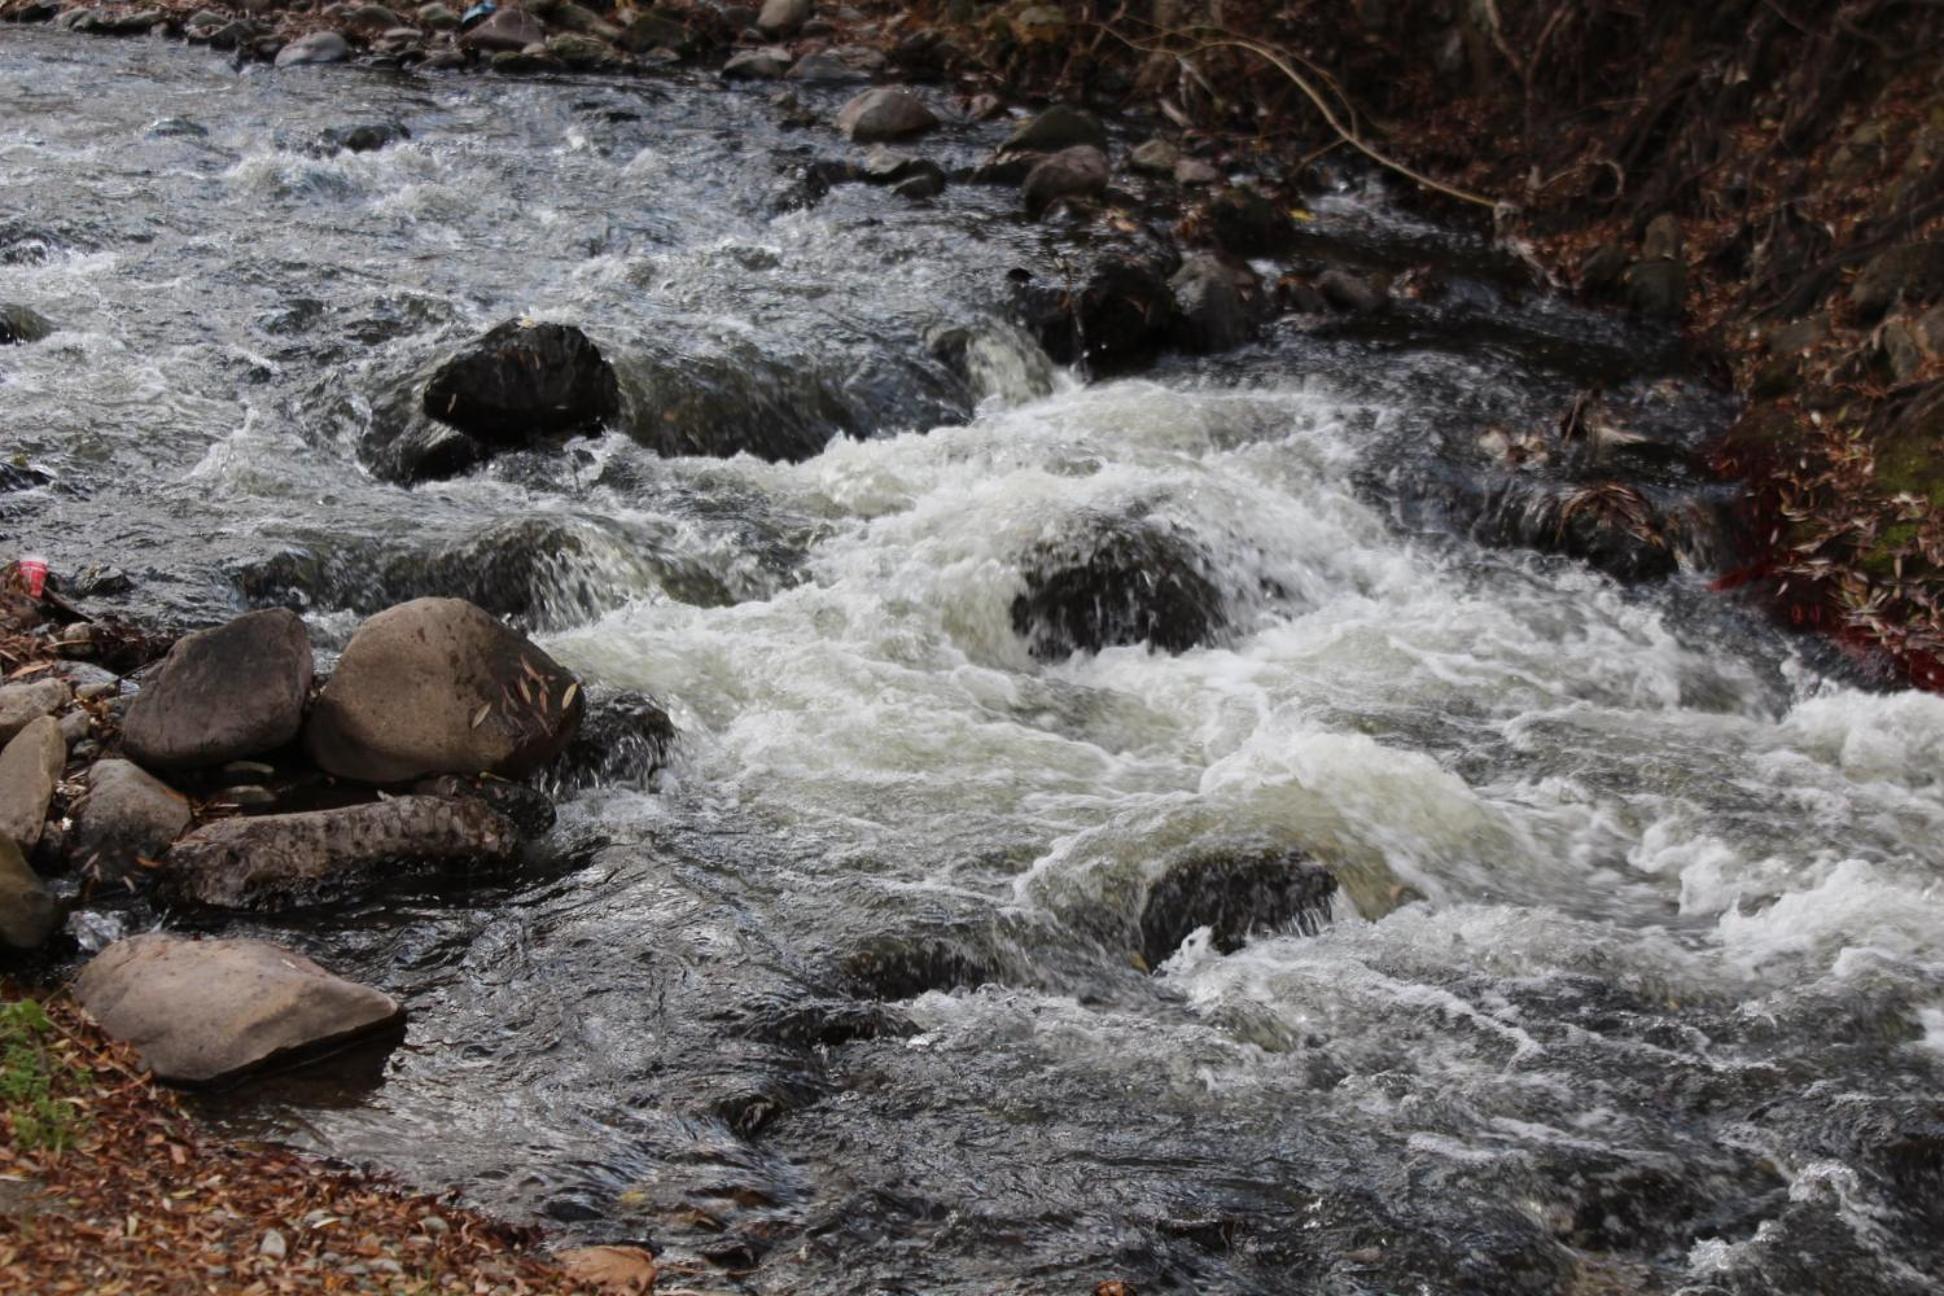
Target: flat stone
1155, 157
27, 909
437, 686
129, 816
224, 694
201, 1012
1059, 127
757, 65
22, 704
30, 766
232, 863
1078, 172
620, 1270
823, 67
579, 50
507, 31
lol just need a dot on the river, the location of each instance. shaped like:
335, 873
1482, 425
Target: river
1635, 982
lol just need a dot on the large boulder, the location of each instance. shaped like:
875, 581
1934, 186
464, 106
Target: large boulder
22, 704
129, 816
886, 113
30, 766
525, 379
275, 859
1117, 581
27, 909
18, 325
202, 1012
1059, 127
223, 694
438, 686
1910, 272
1077, 172
1235, 896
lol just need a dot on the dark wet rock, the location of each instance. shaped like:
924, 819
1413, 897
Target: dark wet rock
437, 17
1009, 170
1656, 289
524, 380
994, 358
223, 694
1078, 172
1118, 581
757, 65
1799, 335
1059, 127
1662, 239
1351, 293
129, 816
528, 809
920, 185
28, 912
368, 137
1912, 273
1155, 157
1601, 269
177, 128
886, 113
30, 766
22, 704
1611, 526
625, 739
1247, 223
206, 1011
438, 686
1236, 896
318, 47
887, 166
1213, 304
506, 31
275, 859
20, 325
532, 60
108, 22
1119, 321
654, 29
782, 17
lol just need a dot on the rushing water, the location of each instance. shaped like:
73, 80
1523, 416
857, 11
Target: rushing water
1637, 979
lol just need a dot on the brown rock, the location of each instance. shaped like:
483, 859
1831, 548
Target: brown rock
27, 909
129, 816
233, 862
22, 704
30, 766
437, 686
886, 113
509, 29
1077, 172
200, 1012
224, 694
624, 1270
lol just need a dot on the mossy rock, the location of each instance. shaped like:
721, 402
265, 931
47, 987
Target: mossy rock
1911, 460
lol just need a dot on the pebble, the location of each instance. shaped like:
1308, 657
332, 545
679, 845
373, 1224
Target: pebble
274, 1245
436, 1224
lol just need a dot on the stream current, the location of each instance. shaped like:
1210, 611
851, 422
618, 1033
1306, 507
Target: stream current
1635, 981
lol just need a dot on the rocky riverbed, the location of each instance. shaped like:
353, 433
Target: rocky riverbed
895, 715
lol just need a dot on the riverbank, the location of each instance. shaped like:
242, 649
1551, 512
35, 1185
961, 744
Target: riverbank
107, 1185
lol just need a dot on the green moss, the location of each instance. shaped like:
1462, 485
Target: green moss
33, 1080
1879, 560
1912, 464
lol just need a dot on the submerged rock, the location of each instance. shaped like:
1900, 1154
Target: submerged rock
1235, 896
525, 380
19, 325
626, 738
366, 138
270, 859
28, 913
201, 1012
224, 694
129, 816
757, 65
30, 766
438, 686
1246, 223
1120, 581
